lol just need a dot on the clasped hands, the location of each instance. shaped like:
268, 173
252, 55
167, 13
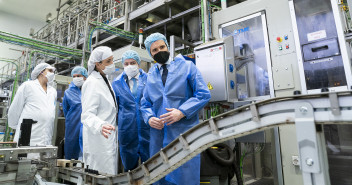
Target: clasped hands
171, 117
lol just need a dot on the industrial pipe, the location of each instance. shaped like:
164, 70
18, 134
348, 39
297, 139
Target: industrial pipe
7, 131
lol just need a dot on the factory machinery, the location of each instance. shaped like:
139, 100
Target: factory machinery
279, 73
309, 113
15, 168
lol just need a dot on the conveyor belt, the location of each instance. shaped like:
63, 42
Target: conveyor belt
329, 108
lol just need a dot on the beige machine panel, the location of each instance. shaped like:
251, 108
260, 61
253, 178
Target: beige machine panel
279, 24
283, 77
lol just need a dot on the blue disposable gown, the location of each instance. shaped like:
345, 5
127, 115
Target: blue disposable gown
72, 108
186, 91
133, 132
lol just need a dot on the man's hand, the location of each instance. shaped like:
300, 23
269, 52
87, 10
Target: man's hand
174, 115
105, 130
156, 123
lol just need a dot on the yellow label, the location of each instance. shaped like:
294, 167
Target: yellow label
210, 87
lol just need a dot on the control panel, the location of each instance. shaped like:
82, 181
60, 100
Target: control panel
283, 44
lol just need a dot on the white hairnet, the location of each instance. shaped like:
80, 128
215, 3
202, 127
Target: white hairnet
152, 38
98, 54
39, 68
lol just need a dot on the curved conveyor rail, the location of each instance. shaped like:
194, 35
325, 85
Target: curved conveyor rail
328, 108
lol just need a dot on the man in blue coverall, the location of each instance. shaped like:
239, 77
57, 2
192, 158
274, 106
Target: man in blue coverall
72, 108
132, 131
174, 93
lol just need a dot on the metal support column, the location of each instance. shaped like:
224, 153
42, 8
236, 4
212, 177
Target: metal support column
183, 31
206, 19
313, 164
85, 40
173, 40
127, 11
165, 30
77, 31
172, 46
349, 3
277, 157
223, 4
100, 7
68, 39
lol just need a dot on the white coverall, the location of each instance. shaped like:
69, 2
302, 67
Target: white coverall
32, 102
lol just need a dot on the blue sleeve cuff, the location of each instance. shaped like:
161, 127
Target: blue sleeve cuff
184, 113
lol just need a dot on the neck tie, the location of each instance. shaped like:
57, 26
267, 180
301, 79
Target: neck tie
164, 75
134, 88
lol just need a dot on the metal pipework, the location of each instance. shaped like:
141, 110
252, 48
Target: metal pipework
174, 39
205, 18
60, 6
223, 4
7, 131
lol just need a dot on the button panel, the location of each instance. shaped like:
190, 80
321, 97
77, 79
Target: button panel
279, 39
283, 42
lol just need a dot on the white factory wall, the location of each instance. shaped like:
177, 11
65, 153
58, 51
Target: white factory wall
17, 25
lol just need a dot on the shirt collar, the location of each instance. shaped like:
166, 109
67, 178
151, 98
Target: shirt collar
136, 77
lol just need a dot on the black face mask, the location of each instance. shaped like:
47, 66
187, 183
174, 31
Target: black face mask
162, 57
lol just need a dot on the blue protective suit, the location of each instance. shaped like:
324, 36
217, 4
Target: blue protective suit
133, 132
186, 91
72, 107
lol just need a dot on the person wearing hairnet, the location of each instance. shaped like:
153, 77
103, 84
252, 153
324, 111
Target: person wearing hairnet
99, 111
72, 108
174, 93
133, 132
36, 100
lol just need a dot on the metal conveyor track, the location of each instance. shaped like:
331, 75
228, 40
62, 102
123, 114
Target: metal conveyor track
327, 108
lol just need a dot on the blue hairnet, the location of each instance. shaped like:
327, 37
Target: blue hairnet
152, 38
130, 54
79, 70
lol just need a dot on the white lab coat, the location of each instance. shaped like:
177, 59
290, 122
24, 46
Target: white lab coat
98, 108
32, 102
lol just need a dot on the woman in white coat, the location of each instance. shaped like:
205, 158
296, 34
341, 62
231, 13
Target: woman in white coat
99, 112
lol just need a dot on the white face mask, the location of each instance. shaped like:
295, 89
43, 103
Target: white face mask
78, 81
50, 76
109, 69
131, 70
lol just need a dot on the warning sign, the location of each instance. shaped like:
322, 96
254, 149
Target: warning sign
210, 87
316, 35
